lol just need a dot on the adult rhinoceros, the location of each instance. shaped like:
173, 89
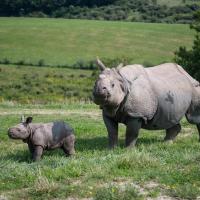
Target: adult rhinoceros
152, 98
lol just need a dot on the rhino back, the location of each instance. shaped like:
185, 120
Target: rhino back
131, 72
51, 135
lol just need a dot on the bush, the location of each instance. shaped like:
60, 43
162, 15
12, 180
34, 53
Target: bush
21, 62
41, 62
5, 61
190, 59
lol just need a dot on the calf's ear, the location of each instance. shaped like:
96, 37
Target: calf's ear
29, 120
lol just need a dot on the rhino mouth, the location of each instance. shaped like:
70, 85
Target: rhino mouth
101, 99
12, 135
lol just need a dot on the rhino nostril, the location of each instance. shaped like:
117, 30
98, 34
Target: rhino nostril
104, 88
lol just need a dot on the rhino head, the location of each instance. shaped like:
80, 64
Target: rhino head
21, 130
110, 88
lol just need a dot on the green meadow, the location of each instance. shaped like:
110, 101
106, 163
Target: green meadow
64, 41
151, 170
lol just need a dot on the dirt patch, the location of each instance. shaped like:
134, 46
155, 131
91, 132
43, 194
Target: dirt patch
186, 132
73, 198
92, 114
151, 185
162, 198
143, 190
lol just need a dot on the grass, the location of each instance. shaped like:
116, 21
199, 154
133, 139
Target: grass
41, 85
152, 169
61, 41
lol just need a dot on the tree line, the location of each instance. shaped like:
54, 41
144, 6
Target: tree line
23, 7
125, 10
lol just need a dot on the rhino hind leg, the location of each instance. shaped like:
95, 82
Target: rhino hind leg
193, 113
172, 132
198, 127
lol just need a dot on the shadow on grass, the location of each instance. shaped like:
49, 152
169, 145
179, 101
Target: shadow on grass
87, 144
17, 156
82, 144
25, 156
149, 141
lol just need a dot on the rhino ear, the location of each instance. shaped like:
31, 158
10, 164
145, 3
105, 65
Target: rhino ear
29, 120
120, 66
100, 64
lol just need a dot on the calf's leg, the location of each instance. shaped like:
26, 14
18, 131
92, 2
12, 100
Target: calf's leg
31, 149
68, 145
38, 150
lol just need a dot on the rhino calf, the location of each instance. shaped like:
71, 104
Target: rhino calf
44, 136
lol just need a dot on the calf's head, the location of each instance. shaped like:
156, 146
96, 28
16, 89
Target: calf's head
21, 130
109, 88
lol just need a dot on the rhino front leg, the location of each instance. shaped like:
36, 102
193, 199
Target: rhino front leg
132, 131
112, 128
38, 150
172, 132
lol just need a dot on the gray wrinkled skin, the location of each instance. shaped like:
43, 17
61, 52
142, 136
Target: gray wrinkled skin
44, 136
152, 98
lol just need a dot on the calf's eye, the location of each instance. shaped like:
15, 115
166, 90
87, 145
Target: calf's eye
113, 85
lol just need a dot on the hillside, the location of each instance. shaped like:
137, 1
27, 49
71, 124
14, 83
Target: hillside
177, 11
66, 42
47, 54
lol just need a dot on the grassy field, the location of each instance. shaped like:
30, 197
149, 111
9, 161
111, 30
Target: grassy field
150, 171
26, 84
62, 41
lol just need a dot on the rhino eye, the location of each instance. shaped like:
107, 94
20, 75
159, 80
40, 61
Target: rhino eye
113, 85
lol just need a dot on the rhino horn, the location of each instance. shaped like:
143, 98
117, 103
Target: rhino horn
120, 65
22, 119
100, 64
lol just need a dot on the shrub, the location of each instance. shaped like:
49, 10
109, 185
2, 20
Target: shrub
20, 62
5, 61
190, 59
41, 62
